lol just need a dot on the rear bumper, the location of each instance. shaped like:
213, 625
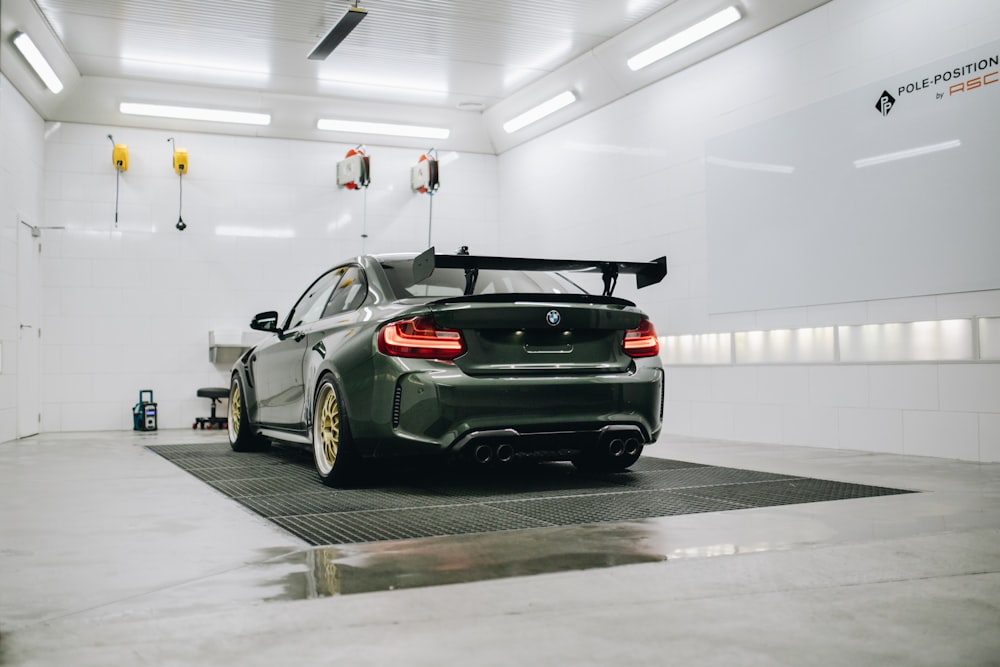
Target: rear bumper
549, 417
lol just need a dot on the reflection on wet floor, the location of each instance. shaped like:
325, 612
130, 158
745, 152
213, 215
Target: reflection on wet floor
347, 569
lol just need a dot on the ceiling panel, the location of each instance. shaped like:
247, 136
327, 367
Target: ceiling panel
418, 55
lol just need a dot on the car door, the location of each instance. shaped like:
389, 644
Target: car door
277, 364
338, 323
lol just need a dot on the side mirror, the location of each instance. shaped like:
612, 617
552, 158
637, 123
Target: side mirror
266, 321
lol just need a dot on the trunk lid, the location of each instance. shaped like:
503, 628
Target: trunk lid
527, 335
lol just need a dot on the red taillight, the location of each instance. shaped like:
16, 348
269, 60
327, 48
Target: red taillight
641, 342
420, 338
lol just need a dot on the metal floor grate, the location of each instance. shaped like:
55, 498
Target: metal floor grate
432, 499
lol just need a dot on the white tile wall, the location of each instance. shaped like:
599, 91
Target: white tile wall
757, 423
130, 308
952, 435
629, 180
905, 387
21, 180
784, 385
871, 430
838, 386
989, 437
810, 425
732, 384
970, 388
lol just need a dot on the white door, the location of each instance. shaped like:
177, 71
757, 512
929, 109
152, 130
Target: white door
29, 293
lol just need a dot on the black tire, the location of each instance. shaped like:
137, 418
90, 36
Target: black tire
333, 449
242, 437
601, 461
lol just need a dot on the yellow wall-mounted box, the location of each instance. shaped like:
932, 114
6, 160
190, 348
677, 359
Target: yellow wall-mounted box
119, 157
181, 161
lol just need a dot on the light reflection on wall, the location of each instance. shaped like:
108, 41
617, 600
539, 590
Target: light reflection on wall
942, 340
713, 348
892, 342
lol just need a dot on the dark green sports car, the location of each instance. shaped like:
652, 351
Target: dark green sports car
494, 359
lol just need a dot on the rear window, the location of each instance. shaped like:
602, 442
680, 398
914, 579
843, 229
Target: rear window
451, 282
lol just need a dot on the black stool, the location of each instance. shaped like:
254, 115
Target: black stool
216, 394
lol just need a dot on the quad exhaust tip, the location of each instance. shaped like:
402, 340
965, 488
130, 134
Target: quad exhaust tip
505, 453
484, 454
631, 447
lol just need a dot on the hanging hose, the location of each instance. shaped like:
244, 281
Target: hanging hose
431, 157
430, 219
179, 168
364, 222
118, 176
180, 201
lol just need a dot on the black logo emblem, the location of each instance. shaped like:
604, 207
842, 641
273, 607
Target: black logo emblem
885, 102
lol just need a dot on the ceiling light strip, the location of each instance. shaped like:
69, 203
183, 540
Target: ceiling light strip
684, 38
389, 129
195, 113
38, 62
544, 109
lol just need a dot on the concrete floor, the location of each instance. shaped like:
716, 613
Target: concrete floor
111, 555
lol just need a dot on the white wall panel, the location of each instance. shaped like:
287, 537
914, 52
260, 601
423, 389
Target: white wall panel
810, 425
795, 195
953, 435
871, 430
732, 384
687, 384
677, 417
989, 437
632, 177
967, 304
712, 420
838, 386
757, 423
135, 303
21, 185
989, 338
904, 387
784, 385
970, 388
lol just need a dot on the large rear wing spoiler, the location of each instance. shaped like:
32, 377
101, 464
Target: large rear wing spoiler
646, 273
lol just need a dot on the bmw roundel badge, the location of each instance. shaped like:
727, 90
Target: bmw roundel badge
553, 317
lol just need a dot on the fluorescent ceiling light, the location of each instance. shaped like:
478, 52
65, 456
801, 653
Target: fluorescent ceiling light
541, 111
38, 62
194, 113
337, 33
684, 38
903, 155
391, 129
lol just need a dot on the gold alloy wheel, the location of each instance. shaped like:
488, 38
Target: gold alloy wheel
234, 410
328, 427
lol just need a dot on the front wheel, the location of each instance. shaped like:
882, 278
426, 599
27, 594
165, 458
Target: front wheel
241, 435
332, 447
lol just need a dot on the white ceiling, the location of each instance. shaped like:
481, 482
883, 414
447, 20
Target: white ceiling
468, 65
